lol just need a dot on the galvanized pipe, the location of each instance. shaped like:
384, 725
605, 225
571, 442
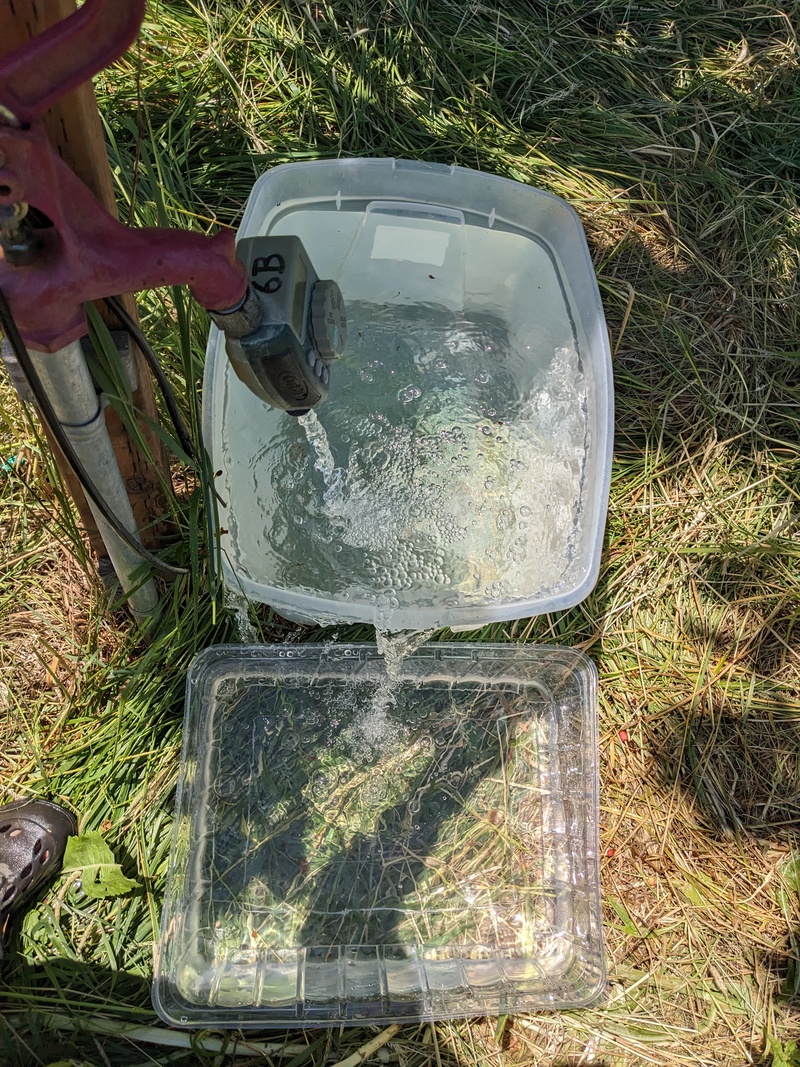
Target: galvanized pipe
65, 378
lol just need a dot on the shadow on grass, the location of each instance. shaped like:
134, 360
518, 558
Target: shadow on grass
70, 990
73, 1013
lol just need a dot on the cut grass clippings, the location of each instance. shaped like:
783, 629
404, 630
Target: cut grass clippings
674, 130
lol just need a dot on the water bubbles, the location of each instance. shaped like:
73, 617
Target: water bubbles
490, 483
409, 394
482, 377
486, 431
366, 375
524, 510
381, 459
440, 364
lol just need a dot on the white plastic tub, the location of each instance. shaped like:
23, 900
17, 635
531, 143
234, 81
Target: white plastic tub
469, 417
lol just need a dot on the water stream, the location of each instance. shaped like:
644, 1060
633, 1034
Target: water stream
320, 446
374, 723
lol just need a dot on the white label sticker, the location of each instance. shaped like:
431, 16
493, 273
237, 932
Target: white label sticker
410, 244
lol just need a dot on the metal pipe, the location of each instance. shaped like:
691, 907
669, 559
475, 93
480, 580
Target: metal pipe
65, 377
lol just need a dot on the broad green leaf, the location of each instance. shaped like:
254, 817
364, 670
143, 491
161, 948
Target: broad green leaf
784, 1054
101, 876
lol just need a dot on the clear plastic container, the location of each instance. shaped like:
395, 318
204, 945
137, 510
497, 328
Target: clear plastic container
351, 849
469, 419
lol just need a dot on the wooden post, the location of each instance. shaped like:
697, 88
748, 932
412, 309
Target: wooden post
76, 131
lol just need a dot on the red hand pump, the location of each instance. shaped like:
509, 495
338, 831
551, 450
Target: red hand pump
62, 248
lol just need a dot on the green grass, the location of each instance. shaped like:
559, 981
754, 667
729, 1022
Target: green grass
674, 131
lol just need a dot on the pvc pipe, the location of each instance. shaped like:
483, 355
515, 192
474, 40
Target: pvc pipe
66, 379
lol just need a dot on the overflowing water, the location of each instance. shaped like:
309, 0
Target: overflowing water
237, 604
374, 728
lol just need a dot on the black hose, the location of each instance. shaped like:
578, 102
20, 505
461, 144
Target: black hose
129, 324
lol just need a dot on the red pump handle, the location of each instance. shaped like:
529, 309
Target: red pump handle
89, 254
37, 73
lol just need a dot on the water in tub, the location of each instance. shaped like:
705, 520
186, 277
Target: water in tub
446, 465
